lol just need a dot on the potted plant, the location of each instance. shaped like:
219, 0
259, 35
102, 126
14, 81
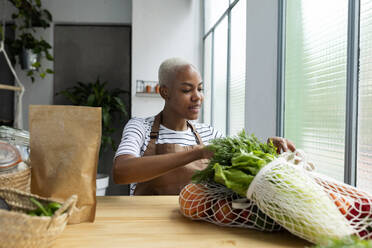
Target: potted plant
97, 95
28, 15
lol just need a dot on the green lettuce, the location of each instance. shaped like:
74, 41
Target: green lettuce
236, 161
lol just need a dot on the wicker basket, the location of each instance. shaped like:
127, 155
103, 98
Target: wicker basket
17, 180
18, 229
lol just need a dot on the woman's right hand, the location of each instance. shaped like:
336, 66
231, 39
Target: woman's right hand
204, 152
130, 169
282, 144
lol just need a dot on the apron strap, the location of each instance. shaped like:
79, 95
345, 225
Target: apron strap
154, 134
199, 141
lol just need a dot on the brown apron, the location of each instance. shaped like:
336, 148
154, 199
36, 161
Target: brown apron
172, 182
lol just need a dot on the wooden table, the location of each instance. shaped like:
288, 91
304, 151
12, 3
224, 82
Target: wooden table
155, 221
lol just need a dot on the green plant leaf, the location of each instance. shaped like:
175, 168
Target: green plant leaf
106, 117
121, 105
90, 100
48, 56
36, 64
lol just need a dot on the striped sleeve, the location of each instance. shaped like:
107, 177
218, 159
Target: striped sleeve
132, 139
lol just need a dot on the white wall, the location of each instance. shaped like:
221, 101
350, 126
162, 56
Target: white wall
162, 29
72, 12
261, 72
91, 11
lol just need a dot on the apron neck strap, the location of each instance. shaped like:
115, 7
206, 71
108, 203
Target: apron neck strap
193, 129
155, 127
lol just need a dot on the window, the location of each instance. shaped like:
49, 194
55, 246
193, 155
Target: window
316, 69
224, 64
315, 81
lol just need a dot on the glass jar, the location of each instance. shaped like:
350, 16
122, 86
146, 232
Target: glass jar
18, 138
9, 157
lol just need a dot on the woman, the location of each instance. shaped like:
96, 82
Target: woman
161, 153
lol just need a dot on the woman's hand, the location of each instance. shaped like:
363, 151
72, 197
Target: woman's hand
204, 152
282, 144
130, 169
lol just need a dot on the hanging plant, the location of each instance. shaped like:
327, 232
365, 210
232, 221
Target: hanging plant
28, 16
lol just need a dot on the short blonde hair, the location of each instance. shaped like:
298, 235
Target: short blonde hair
169, 68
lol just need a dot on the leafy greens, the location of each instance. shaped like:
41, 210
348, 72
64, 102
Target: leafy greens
236, 161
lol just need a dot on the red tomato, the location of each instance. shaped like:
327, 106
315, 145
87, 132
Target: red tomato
223, 212
194, 202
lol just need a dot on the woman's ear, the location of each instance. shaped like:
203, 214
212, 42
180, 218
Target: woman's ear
164, 92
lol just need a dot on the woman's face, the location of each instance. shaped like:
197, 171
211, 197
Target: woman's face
185, 94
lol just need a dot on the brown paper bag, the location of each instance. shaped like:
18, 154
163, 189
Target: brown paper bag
64, 146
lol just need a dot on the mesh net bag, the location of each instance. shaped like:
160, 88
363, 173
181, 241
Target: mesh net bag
354, 204
216, 204
309, 205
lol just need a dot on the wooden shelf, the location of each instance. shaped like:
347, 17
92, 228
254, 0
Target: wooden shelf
10, 87
144, 94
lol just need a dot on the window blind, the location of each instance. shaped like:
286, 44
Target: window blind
220, 77
364, 149
237, 68
315, 81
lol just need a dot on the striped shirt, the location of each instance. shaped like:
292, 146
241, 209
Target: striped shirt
136, 136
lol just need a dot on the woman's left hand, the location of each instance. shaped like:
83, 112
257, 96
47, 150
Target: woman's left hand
282, 144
